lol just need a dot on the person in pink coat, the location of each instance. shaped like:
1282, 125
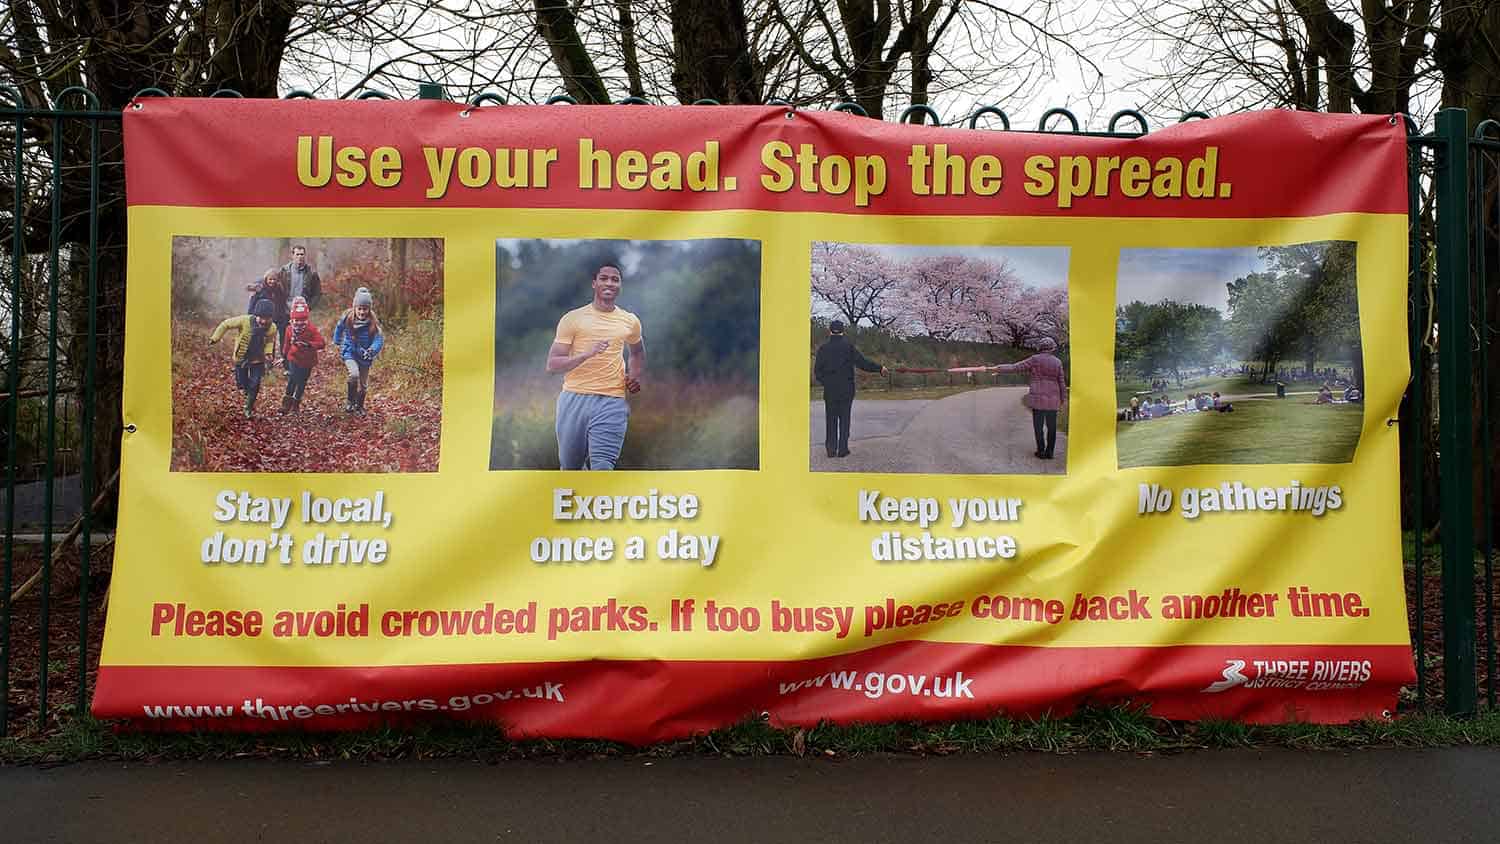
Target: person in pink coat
1048, 391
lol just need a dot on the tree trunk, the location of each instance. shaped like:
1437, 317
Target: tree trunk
398, 265
866, 29
557, 25
250, 42
924, 43
921, 68
1331, 38
712, 46
628, 52
227, 287
1467, 55
1359, 368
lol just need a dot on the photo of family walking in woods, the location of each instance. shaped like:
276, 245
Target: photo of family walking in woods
626, 354
939, 359
1242, 355
306, 354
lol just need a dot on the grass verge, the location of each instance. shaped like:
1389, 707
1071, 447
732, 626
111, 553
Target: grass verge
1259, 431
1114, 728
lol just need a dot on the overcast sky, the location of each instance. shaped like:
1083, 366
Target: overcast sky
1185, 275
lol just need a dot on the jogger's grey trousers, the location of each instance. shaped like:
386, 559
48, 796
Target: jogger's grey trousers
590, 430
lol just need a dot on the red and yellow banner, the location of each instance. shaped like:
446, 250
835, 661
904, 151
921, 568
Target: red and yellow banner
511, 414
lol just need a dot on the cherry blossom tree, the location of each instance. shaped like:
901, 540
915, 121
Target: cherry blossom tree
939, 295
945, 297
857, 282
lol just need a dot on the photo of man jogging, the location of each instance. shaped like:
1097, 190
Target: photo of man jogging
589, 347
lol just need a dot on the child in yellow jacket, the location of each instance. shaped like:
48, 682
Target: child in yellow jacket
254, 347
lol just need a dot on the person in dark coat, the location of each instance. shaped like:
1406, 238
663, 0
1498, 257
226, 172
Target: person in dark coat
273, 291
834, 369
301, 279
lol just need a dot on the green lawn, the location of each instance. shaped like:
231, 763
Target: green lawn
1258, 431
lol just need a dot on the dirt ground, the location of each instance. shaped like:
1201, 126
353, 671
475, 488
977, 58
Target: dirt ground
62, 645
1432, 634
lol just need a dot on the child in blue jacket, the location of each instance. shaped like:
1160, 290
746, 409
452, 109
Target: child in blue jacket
359, 339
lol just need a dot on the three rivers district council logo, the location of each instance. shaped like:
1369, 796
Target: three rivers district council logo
1313, 675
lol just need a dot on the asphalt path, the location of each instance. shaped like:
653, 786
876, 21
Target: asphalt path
976, 432
1223, 797
67, 501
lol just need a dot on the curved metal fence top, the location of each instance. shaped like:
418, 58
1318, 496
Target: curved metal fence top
11, 101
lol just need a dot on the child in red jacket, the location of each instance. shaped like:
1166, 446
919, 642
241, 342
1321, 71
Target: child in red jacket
302, 343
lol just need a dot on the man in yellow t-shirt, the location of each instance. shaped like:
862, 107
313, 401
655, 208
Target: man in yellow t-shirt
592, 412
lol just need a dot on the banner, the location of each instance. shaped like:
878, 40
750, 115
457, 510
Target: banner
632, 422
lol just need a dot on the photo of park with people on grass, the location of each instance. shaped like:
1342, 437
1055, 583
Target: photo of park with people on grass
939, 359
306, 354
1239, 355
574, 319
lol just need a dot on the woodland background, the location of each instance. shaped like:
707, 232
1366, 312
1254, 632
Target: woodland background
699, 306
401, 429
1302, 310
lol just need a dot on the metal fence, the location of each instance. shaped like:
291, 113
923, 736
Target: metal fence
50, 403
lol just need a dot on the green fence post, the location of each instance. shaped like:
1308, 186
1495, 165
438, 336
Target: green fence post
86, 538
1414, 416
1455, 417
12, 421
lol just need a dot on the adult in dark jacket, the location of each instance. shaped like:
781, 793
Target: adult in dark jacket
301, 279
834, 369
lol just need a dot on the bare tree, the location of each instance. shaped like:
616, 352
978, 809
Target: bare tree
806, 52
559, 26
114, 50
1373, 56
1370, 56
863, 51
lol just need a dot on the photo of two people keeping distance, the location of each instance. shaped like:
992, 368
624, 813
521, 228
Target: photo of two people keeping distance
939, 360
